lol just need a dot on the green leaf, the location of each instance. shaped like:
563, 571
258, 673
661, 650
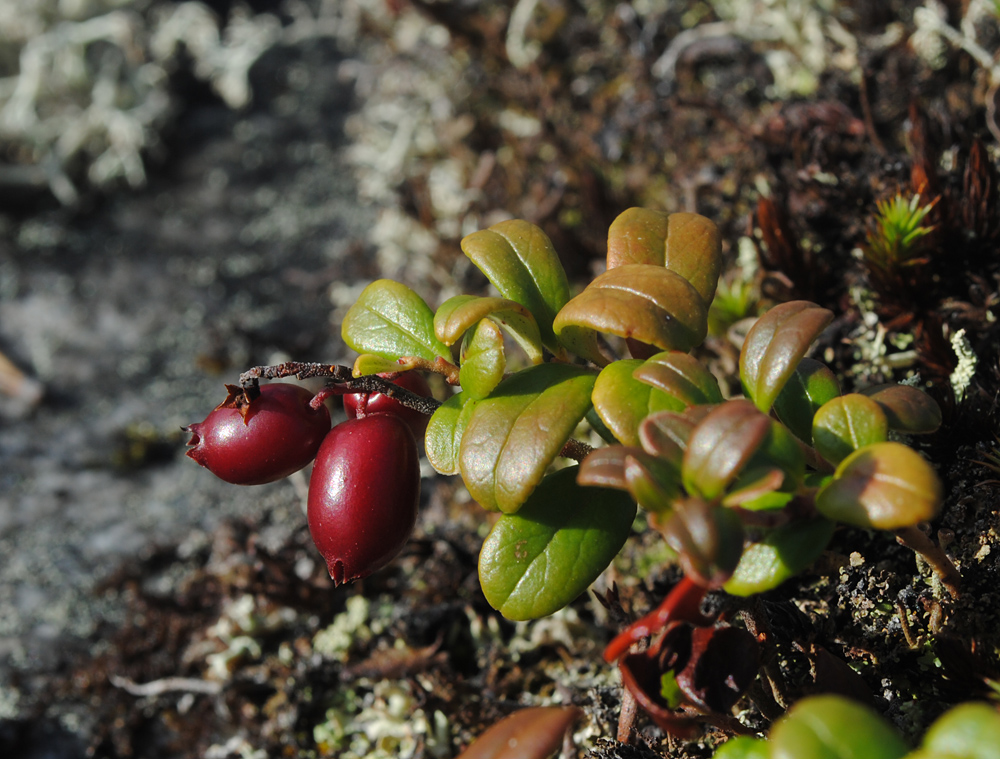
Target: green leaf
460, 313
622, 402
782, 553
908, 409
519, 430
670, 691
638, 301
735, 436
392, 321
685, 243
445, 428
680, 376
535, 562
810, 386
847, 424
886, 486
482, 359
774, 346
369, 363
518, 258
966, 731
743, 747
833, 727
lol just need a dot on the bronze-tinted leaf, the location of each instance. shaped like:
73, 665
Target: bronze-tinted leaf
533, 733
681, 376
908, 409
686, 243
666, 433
707, 538
640, 301
886, 486
721, 445
774, 346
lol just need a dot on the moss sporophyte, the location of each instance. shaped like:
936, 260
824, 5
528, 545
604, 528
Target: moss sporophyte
746, 491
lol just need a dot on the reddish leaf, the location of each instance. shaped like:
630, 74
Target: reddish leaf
534, 733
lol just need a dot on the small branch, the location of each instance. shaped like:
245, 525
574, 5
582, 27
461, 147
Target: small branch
576, 450
166, 685
916, 541
340, 378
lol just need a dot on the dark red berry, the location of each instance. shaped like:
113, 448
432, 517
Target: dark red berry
363, 495
279, 435
362, 404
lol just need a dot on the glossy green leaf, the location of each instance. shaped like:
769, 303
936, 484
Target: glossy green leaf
482, 359
833, 727
369, 363
781, 554
743, 747
535, 562
518, 258
810, 386
533, 733
519, 430
443, 438
732, 437
685, 243
908, 409
460, 313
968, 731
847, 424
390, 320
638, 301
681, 376
622, 402
886, 486
774, 346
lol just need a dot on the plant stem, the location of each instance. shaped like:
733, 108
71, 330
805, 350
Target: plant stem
917, 541
683, 603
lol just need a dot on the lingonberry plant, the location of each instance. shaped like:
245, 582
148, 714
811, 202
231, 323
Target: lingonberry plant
746, 491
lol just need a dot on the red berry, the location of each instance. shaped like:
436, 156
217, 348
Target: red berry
280, 434
362, 404
363, 495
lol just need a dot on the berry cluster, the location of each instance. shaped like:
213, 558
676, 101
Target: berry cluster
365, 484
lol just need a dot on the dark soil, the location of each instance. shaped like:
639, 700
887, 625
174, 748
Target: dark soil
126, 565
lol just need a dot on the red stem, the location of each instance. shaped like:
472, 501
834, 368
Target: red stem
683, 603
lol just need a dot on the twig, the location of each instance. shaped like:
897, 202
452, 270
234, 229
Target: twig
166, 685
916, 541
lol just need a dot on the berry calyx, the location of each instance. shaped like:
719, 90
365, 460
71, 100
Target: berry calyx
363, 495
362, 404
263, 440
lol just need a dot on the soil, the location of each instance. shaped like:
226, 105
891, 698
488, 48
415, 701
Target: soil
148, 609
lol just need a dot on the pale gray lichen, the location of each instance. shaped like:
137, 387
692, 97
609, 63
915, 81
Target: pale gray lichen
961, 377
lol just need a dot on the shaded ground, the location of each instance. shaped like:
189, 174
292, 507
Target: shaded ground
124, 564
